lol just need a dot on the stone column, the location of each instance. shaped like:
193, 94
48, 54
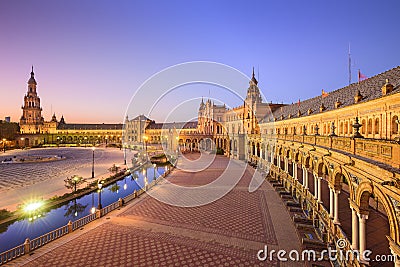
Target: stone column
331, 211
362, 220
295, 170
272, 156
396, 258
286, 161
305, 177
336, 215
354, 229
315, 186
278, 158
319, 179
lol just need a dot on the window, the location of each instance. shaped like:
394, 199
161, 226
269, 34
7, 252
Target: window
395, 126
377, 126
369, 126
363, 123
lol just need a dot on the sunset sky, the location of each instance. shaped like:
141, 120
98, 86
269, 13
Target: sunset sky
91, 56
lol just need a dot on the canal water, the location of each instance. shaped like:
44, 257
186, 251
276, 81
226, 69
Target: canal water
16, 233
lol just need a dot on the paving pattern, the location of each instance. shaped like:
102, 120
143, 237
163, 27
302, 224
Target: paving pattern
227, 232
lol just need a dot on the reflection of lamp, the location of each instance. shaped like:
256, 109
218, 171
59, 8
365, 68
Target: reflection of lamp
99, 185
93, 209
93, 148
154, 169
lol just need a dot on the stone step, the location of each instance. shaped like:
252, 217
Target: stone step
302, 220
294, 209
304, 227
293, 204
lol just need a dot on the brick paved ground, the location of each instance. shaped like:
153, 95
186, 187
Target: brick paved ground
226, 232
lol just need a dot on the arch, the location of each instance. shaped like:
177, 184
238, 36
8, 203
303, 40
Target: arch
307, 162
287, 153
345, 176
364, 191
321, 168
297, 156
335, 179
390, 212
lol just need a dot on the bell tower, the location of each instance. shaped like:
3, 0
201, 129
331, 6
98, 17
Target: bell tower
31, 120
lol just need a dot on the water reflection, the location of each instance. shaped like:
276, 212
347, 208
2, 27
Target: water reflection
15, 233
75, 209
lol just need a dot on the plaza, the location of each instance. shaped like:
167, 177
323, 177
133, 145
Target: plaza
227, 232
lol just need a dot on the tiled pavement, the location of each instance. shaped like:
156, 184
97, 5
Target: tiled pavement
226, 232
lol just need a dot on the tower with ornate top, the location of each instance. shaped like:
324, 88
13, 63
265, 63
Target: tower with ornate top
31, 121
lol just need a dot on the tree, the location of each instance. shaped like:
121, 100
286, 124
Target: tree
73, 181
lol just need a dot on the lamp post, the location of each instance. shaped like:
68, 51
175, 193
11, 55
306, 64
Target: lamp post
154, 171
23, 142
4, 145
93, 148
99, 185
146, 138
125, 154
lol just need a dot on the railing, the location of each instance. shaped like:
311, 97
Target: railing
33, 244
380, 150
109, 208
12, 254
83, 221
46, 238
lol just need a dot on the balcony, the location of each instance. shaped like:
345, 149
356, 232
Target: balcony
378, 150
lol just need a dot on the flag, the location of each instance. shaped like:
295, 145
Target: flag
361, 76
324, 94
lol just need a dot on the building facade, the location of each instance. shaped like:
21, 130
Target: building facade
35, 131
338, 155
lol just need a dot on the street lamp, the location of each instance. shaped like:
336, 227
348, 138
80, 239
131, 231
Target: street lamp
93, 148
145, 141
125, 154
154, 171
23, 143
99, 185
4, 145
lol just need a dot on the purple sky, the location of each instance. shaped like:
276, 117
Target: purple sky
91, 56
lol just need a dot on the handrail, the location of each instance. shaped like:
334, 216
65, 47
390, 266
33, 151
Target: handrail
11, 254
48, 237
83, 221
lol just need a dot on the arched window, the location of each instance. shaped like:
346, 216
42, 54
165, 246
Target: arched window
363, 123
395, 126
377, 126
369, 126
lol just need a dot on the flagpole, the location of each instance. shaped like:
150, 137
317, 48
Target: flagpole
349, 66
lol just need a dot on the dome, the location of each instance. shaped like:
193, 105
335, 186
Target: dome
32, 79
